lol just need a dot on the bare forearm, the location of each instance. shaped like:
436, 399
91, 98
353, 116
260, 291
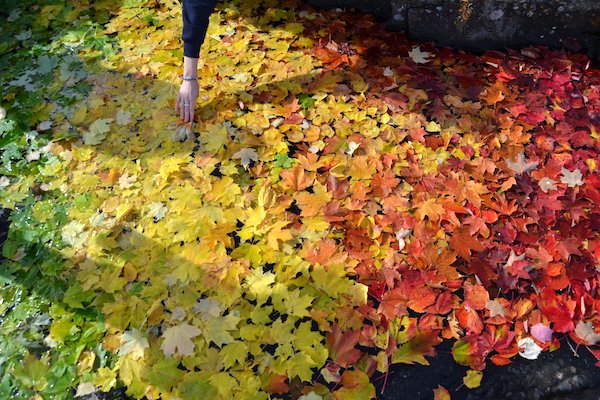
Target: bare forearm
190, 66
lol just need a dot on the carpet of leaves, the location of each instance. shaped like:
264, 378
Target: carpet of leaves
347, 199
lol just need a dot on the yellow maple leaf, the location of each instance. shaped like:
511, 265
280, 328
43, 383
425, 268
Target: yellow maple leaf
259, 284
217, 330
132, 373
296, 304
277, 232
234, 352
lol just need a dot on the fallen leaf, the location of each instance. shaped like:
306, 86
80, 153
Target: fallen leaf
441, 393
134, 343
418, 56
246, 156
520, 166
157, 210
541, 333
178, 339
495, 308
586, 332
97, 131
547, 184
528, 348
473, 379
571, 178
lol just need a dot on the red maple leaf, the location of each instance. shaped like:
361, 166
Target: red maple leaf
485, 271
558, 309
342, 347
469, 319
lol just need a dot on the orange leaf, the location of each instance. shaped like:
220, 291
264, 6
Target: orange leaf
393, 304
476, 297
356, 386
441, 393
421, 298
296, 178
463, 243
342, 346
276, 384
322, 252
431, 209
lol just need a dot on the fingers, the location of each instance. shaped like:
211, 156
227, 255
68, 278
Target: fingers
181, 108
186, 110
187, 107
186, 101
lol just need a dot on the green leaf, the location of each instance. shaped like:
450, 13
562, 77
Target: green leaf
75, 296
63, 329
61, 376
461, 352
165, 374
31, 373
194, 387
283, 161
306, 101
408, 354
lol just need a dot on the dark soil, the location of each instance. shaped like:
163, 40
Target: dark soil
4, 214
560, 375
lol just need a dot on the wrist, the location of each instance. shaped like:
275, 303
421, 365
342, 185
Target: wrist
190, 66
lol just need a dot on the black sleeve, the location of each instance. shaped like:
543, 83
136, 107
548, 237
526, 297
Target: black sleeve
195, 22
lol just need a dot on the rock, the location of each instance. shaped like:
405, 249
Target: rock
380, 8
489, 24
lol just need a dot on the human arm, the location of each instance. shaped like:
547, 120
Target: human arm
196, 14
195, 23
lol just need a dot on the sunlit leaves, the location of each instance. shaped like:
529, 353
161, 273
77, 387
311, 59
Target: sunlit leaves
177, 339
217, 330
339, 205
74, 234
134, 343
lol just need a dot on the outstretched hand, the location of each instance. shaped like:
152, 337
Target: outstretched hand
186, 100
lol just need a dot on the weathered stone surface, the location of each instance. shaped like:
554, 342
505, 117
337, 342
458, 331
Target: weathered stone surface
487, 24
380, 8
